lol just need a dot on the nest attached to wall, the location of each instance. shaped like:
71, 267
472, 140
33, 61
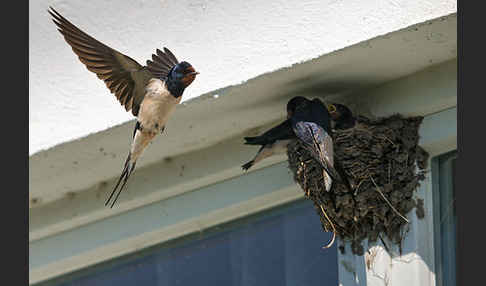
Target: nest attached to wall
380, 158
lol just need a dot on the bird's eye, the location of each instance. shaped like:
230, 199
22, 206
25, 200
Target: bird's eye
189, 70
331, 108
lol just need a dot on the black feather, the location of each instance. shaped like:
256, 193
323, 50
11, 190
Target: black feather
283, 131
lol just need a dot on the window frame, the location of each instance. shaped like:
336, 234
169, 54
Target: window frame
443, 189
183, 241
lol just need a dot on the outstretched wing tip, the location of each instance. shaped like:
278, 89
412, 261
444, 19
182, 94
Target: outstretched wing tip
111, 66
162, 62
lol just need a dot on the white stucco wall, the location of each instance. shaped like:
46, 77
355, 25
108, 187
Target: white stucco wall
227, 41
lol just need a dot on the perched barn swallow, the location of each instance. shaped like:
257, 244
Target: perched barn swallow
311, 123
151, 92
273, 141
341, 115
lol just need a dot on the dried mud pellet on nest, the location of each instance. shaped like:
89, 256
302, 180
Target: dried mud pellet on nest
384, 165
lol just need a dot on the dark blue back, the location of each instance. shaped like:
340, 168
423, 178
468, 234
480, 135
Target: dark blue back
316, 112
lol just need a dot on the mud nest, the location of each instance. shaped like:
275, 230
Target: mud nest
384, 165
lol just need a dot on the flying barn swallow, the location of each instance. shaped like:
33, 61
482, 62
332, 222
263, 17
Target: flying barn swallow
151, 92
341, 115
273, 141
311, 123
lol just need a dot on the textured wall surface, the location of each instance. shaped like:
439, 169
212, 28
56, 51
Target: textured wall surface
227, 41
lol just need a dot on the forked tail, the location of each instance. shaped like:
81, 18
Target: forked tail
127, 171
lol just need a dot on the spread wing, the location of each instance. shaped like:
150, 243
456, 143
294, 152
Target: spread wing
162, 63
122, 75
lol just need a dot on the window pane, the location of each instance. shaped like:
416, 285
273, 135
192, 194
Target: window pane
445, 219
280, 247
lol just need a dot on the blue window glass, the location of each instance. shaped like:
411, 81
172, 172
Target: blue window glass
444, 170
278, 247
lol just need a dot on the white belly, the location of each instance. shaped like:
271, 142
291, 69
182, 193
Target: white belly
155, 110
157, 106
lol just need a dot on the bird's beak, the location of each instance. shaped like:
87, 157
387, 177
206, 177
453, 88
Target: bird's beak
194, 73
